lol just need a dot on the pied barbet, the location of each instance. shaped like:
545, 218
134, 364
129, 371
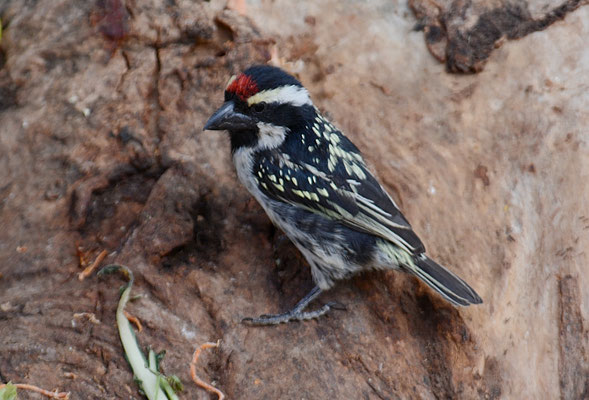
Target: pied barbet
314, 185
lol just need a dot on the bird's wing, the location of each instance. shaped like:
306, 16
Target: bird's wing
341, 189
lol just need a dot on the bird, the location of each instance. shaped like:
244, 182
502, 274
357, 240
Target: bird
314, 184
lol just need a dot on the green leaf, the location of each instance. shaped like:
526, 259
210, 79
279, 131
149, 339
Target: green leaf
176, 383
152, 361
159, 357
8, 392
148, 381
165, 385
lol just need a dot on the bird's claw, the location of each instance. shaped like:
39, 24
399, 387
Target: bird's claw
298, 315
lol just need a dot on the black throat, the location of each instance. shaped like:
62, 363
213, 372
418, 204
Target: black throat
245, 138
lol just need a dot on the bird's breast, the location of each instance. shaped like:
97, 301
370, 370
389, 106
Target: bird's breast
243, 159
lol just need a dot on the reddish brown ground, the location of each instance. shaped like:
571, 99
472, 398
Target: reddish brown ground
101, 147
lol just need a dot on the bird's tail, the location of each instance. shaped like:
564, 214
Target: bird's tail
450, 286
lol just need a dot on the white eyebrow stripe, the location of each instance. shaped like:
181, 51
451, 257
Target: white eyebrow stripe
295, 95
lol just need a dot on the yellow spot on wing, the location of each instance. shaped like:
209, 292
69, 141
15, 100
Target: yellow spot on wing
323, 192
330, 164
348, 169
358, 171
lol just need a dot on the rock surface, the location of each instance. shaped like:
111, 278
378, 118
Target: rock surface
101, 147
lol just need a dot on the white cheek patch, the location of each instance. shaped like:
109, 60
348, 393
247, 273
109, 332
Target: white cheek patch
295, 95
270, 136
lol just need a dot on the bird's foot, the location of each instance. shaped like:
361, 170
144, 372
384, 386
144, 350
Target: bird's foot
293, 315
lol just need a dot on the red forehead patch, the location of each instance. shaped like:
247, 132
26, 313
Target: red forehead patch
243, 86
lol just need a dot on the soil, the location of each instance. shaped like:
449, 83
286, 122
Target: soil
102, 106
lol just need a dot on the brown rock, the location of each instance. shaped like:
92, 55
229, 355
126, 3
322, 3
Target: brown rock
101, 147
464, 33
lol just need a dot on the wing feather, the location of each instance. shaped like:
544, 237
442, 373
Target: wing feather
349, 194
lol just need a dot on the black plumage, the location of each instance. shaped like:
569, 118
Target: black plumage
314, 184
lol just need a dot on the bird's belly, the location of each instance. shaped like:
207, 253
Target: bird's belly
333, 250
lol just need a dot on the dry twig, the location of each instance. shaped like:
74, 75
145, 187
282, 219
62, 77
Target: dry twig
88, 270
134, 320
195, 378
52, 395
89, 316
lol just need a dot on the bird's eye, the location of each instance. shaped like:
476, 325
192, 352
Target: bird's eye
259, 107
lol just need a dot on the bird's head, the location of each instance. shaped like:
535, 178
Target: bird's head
262, 105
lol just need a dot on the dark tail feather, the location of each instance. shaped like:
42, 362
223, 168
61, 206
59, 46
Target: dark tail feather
450, 286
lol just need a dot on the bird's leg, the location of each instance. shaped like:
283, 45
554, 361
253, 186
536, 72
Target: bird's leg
296, 314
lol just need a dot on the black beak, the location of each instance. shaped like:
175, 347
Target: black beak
227, 118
